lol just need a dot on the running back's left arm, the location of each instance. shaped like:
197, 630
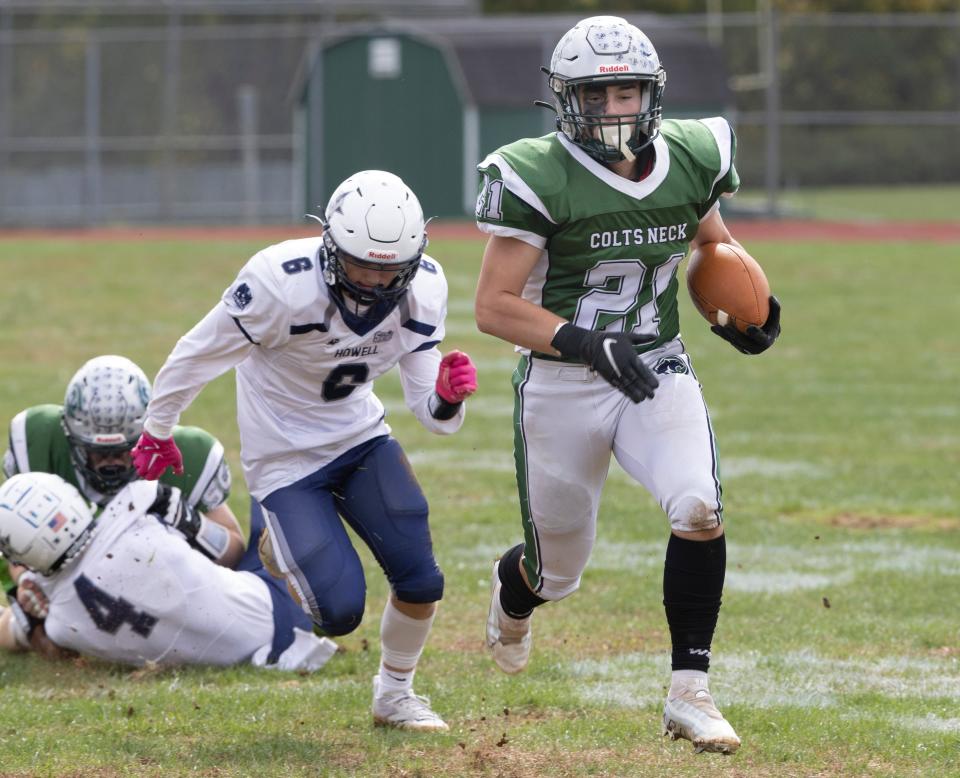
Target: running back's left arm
713, 229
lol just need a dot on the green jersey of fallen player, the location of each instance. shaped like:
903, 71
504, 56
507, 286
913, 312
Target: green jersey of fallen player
39, 444
611, 245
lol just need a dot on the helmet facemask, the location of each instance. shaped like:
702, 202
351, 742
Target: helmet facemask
360, 300
105, 478
608, 137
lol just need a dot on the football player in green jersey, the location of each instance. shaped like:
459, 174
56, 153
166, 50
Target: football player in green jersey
587, 228
87, 442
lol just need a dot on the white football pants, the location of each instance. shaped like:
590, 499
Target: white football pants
568, 421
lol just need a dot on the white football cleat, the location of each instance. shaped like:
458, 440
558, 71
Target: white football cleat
692, 715
404, 710
509, 639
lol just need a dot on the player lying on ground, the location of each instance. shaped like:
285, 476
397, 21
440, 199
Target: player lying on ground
587, 228
309, 325
87, 442
127, 587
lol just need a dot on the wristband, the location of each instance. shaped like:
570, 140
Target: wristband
442, 410
212, 539
568, 339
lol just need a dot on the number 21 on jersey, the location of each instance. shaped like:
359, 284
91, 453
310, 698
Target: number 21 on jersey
617, 288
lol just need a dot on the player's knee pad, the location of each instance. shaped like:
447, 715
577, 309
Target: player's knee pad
692, 514
339, 615
333, 587
420, 585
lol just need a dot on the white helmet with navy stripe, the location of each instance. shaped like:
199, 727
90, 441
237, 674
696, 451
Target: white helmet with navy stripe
373, 221
44, 521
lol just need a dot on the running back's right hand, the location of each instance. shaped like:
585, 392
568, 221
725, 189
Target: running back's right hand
612, 355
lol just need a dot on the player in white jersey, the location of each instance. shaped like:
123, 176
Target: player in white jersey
126, 587
309, 325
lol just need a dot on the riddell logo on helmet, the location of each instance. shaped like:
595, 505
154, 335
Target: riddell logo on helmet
376, 254
613, 69
110, 439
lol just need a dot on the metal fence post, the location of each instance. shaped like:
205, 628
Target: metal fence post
773, 161
171, 101
94, 172
6, 89
247, 109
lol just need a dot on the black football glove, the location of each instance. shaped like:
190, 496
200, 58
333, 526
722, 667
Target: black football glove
172, 509
756, 339
612, 355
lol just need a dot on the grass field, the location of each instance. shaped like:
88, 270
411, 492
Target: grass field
838, 649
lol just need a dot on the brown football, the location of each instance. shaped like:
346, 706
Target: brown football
727, 285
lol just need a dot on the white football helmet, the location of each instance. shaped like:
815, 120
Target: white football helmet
103, 413
44, 521
600, 51
373, 221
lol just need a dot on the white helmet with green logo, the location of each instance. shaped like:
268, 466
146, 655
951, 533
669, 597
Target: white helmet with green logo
103, 413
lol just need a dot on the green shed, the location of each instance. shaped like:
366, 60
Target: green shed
428, 100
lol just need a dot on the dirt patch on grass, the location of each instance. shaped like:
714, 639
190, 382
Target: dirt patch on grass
871, 521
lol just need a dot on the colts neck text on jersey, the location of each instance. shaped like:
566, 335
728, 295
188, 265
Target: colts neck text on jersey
635, 237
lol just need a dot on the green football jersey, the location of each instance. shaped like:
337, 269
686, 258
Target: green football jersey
38, 443
611, 246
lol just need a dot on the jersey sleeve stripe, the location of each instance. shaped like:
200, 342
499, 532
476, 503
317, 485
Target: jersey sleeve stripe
517, 185
720, 129
537, 241
18, 442
245, 333
303, 329
426, 346
419, 327
209, 471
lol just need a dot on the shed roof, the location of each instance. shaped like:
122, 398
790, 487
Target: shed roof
500, 56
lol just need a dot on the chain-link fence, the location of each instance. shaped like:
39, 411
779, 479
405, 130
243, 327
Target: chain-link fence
194, 122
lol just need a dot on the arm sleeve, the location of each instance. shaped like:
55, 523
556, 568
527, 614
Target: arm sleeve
210, 349
418, 376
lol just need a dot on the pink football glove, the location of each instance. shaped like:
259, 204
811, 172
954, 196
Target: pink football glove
457, 378
152, 456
